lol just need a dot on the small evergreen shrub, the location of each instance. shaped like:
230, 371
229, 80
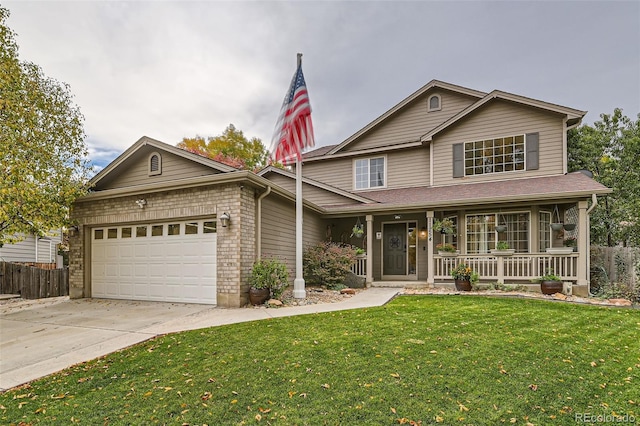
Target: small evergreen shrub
328, 263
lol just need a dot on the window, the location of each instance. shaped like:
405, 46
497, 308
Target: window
494, 155
482, 235
141, 231
434, 103
209, 227
369, 173
156, 230
112, 233
544, 231
98, 234
191, 228
126, 232
155, 164
173, 229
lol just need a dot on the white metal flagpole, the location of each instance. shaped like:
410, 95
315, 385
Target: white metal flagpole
299, 291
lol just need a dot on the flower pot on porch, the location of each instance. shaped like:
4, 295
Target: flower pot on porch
257, 296
448, 253
551, 287
463, 285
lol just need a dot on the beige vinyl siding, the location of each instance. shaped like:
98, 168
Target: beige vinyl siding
495, 120
412, 121
314, 194
135, 170
279, 230
404, 168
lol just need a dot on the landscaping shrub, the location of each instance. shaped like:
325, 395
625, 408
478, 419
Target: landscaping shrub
270, 273
328, 263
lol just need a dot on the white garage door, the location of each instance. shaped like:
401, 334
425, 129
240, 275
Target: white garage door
168, 262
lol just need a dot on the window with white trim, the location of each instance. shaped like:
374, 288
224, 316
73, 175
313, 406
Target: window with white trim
494, 155
544, 231
482, 236
155, 164
369, 173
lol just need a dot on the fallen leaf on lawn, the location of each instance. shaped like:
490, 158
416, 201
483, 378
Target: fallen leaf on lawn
148, 394
234, 401
60, 396
258, 417
393, 410
593, 363
533, 387
513, 420
264, 410
396, 375
433, 352
462, 407
326, 386
291, 393
206, 396
439, 419
303, 395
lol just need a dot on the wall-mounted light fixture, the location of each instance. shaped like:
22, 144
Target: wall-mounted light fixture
73, 230
396, 217
224, 219
141, 203
423, 232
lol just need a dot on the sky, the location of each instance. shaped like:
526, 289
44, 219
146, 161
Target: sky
174, 69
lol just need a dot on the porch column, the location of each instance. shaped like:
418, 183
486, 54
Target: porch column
430, 264
583, 244
369, 276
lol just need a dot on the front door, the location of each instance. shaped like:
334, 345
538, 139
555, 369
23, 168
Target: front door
395, 249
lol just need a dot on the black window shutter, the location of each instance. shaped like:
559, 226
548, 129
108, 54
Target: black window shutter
533, 151
458, 160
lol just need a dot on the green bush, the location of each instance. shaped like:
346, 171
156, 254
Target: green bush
328, 264
271, 274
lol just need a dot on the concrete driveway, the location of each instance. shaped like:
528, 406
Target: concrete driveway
41, 337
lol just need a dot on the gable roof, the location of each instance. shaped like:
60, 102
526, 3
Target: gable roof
574, 116
430, 85
147, 141
317, 184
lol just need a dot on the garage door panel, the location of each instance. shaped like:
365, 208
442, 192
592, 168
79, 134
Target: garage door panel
176, 268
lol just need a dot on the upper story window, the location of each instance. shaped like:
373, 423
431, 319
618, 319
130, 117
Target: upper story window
155, 164
434, 103
369, 173
507, 154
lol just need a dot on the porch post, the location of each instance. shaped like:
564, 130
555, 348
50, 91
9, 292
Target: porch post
430, 264
369, 273
583, 244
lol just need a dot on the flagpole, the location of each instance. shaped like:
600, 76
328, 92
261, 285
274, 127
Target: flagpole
299, 291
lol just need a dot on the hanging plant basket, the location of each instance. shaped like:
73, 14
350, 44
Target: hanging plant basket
358, 229
556, 226
569, 226
501, 228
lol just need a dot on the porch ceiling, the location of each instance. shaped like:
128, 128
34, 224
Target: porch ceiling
571, 185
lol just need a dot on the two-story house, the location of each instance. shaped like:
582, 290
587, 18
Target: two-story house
165, 224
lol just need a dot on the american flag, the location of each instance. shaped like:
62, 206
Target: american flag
294, 129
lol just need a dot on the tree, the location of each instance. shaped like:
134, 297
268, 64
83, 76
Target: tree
610, 150
231, 147
43, 166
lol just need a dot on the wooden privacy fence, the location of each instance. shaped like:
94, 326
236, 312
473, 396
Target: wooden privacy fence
622, 264
33, 283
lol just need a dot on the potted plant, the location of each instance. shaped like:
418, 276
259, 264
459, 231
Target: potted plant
357, 230
360, 252
550, 283
269, 278
571, 242
444, 226
502, 248
464, 277
445, 249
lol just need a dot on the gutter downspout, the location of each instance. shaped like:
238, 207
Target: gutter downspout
259, 223
594, 203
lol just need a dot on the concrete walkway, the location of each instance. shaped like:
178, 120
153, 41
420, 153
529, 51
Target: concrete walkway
41, 338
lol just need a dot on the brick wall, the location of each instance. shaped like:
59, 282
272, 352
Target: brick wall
236, 243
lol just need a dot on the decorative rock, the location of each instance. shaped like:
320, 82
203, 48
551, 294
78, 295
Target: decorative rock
620, 302
347, 291
274, 302
560, 296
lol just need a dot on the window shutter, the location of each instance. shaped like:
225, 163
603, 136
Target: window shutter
458, 160
533, 154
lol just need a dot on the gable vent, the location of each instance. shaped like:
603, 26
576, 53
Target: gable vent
155, 164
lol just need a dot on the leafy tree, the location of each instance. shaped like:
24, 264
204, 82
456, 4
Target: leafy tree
43, 166
610, 150
231, 147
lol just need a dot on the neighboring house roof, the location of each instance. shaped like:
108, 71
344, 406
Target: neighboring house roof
574, 116
430, 85
147, 141
313, 182
566, 186
318, 152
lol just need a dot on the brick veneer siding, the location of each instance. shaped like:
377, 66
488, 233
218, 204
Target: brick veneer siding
235, 243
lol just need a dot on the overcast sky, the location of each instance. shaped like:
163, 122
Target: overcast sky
172, 69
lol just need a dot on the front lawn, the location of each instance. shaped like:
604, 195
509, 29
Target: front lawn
422, 359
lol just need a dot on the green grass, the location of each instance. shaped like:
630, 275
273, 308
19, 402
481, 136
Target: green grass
426, 359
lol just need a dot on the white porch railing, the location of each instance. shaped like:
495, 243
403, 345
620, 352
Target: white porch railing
360, 267
506, 268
